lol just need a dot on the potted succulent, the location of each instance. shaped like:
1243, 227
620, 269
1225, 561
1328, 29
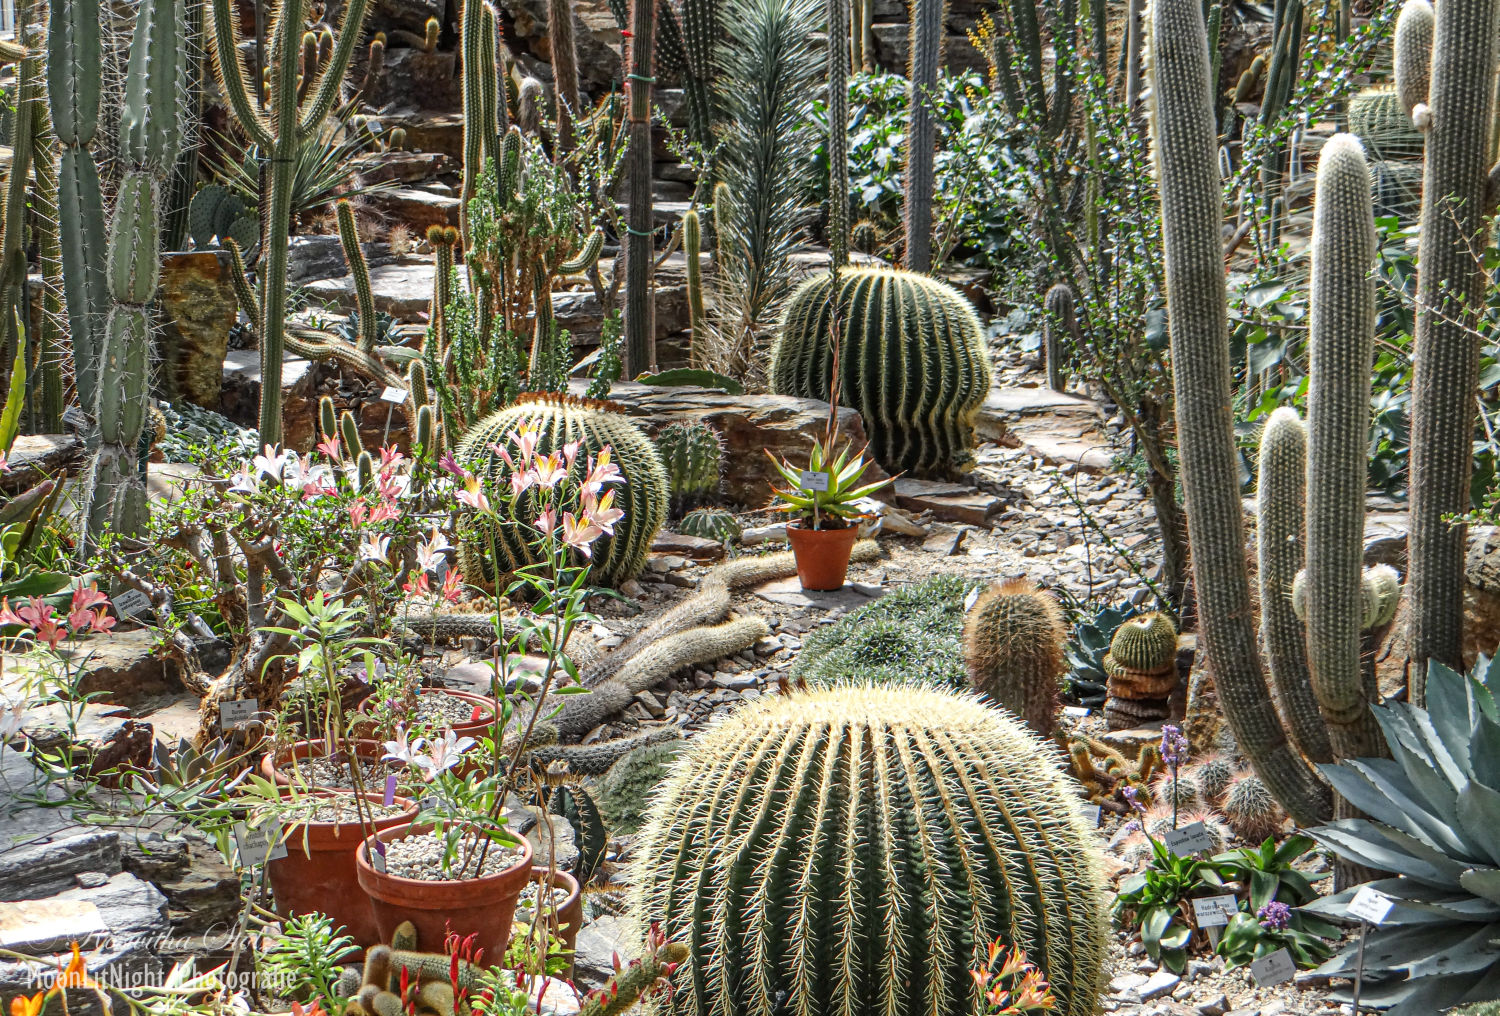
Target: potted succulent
822, 498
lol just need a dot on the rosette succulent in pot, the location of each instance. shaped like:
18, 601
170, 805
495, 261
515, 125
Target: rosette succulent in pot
1434, 823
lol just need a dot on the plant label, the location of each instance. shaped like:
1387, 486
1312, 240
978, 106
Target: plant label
256, 846
427, 804
1090, 814
1215, 911
131, 602
390, 790
1273, 969
393, 394
814, 481
1190, 839
1370, 905
232, 714
75, 417
1078, 711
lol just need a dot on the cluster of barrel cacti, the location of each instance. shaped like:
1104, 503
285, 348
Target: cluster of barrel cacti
1142, 668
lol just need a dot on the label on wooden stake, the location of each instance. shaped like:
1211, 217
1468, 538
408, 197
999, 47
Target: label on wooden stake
1090, 814
1273, 969
1190, 839
813, 481
232, 714
256, 846
1215, 911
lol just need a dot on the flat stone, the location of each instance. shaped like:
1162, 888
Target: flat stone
946, 541
697, 548
599, 942
1130, 741
42, 869
107, 735
126, 666
34, 457
949, 502
789, 592
407, 167
1160, 983
773, 533
415, 208
1218, 1005
735, 682
402, 290
132, 914
1126, 982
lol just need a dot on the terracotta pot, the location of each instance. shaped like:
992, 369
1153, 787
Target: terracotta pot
569, 912
822, 555
317, 875
278, 767
482, 907
467, 728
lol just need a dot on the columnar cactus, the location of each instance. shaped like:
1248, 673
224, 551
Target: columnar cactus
1341, 347
928, 18
564, 50
483, 114
694, 457
855, 850
1186, 154
1061, 319
692, 250
1412, 50
150, 138
1450, 296
643, 495
913, 362
1013, 650
838, 132
640, 257
1281, 541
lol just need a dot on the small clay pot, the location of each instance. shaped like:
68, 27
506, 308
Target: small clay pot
317, 875
278, 767
482, 907
822, 555
569, 911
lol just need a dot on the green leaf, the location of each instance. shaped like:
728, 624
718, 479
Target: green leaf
682, 376
10, 415
35, 584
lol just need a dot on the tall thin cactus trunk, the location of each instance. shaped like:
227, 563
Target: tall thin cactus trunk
1186, 152
838, 132
564, 49
928, 18
640, 253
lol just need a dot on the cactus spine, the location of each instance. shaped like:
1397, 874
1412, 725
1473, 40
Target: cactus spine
711, 524
854, 849
643, 496
1450, 296
927, 20
1281, 494
280, 133
1412, 49
1251, 810
1013, 650
13, 226
693, 454
1186, 154
912, 361
1341, 346
150, 138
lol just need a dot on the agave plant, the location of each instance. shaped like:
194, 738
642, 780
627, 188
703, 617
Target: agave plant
1087, 683
1434, 820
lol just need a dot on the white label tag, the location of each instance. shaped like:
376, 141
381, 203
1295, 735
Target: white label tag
132, 602
232, 714
813, 481
427, 804
1190, 839
1215, 911
1090, 814
1079, 711
393, 394
75, 417
256, 846
1273, 969
1370, 905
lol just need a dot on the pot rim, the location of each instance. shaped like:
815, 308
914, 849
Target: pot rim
361, 860
410, 811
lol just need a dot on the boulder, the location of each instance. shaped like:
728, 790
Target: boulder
599, 942
411, 15
106, 737
42, 869
126, 666
596, 37
198, 308
34, 457
415, 208
752, 425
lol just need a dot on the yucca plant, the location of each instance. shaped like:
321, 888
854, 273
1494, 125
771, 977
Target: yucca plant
1434, 812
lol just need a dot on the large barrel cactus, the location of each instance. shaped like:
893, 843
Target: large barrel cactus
854, 850
912, 361
643, 495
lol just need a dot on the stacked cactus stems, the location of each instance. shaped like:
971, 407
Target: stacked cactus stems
928, 20
1013, 650
1142, 669
693, 453
562, 419
912, 361
1450, 298
279, 130
852, 849
1186, 154
150, 138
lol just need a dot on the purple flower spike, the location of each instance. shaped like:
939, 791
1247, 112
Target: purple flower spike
1174, 747
1275, 916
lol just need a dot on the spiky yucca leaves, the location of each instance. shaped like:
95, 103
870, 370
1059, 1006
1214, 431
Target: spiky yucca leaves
769, 72
643, 495
1013, 649
1450, 298
711, 524
693, 453
1186, 155
1250, 809
852, 850
913, 362
1412, 49
1377, 118
1433, 814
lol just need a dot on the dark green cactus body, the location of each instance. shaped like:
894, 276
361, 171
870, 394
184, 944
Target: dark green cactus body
913, 362
1450, 297
1186, 153
643, 496
711, 524
1341, 347
693, 454
854, 850
1377, 119
1281, 539
925, 46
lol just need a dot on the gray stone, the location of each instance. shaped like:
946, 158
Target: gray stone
1160, 983
119, 923
34, 457
1217, 1005
789, 592
415, 208
42, 869
107, 736
127, 667
599, 942
949, 502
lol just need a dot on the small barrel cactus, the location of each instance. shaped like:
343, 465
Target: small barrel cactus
1147, 643
1142, 668
913, 362
1212, 777
563, 419
694, 456
855, 849
1013, 650
1379, 596
1250, 809
711, 524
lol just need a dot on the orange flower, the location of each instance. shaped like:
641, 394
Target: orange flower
75, 974
23, 1006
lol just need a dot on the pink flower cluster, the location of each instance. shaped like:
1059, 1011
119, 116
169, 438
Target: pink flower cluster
85, 614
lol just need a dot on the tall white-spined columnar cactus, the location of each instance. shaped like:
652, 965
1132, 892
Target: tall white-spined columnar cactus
150, 139
1450, 296
1186, 153
1341, 345
1412, 51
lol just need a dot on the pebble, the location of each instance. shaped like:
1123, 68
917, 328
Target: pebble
734, 681
1160, 983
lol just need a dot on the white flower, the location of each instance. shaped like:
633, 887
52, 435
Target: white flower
375, 548
11, 715
403, 749
244, 481
269, 463
446, 753
430, 554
